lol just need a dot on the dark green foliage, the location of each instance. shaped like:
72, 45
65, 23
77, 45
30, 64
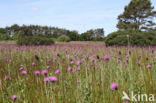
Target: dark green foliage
2, 30
138, 38
73, 35
92, 35
4, 37
33, 40
137, 15
64, 38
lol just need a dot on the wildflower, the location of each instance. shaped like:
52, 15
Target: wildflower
78, 68
148, 66
58, 54
54, 59
52, 78
74, 70
7, 77
114, 86
92, 59
57, 71
24, 72
14, 97
49, 60
21, 68
33, 63
78, 62
46, 79
44, 72
37, 72
36, 57
72, 62
69, 69
48, 67
106, 57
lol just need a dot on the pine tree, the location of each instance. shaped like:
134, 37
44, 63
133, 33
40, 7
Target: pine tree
137, 15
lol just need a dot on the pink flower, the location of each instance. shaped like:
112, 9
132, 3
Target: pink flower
92, 59
14, 97
148, 66
37, 72
52, 78
33, 63
78, 62
24, 72
114, 86
48, 67
44, 72
7, 77
126, 60
82, 60
78, 68
72, 62
57, 71
77, 82
46, 79
74, 70
69, 69
49, 60
106, 57
21, 68
54, 59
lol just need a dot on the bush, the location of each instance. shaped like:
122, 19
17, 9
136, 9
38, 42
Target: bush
63, 38
4, 37
34, 40
138, 38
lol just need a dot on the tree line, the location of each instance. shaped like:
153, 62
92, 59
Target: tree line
50, 32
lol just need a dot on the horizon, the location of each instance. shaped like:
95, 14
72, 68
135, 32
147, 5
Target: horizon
68, 14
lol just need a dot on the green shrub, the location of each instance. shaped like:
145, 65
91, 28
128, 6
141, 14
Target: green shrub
138, 38
34, 40
63, 38
4, 37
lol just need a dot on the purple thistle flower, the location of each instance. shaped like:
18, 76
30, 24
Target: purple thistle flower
21, 68
69, 69
52, 78
48, 67
78, 62
44, 72
78, 68
114, 86
106, 57
57, 71
24, 72
33, 63
92, 59
148, 66
46, 79
37, 72
49, 60
14, 97
72, 62
7, 77
54, 59
73, 70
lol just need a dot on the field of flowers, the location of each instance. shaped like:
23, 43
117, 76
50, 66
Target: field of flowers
86, 72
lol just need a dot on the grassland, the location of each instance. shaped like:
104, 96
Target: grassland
94, 68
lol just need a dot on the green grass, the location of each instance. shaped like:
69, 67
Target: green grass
94, 78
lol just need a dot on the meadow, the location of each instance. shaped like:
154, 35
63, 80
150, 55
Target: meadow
76, 72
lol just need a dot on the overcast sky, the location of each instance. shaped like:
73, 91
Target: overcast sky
80, 15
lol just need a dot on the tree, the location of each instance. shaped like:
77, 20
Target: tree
137, 15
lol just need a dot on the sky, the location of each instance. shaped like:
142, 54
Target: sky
80, 15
